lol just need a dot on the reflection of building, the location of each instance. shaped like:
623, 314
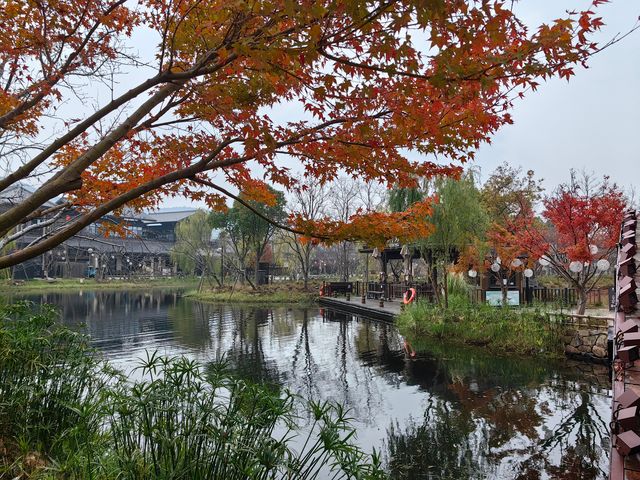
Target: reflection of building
142, 245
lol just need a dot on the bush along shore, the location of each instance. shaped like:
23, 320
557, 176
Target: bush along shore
522, 331
283, 293
66, 413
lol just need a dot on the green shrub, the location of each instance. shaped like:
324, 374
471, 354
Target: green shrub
205, 424
51, 383
522, 331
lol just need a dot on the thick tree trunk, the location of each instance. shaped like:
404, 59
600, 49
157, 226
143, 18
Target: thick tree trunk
345, 263
434, 283
505, 296
446, 287
582, 301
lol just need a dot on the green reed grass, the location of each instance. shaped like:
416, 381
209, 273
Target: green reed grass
82, 419
503, 330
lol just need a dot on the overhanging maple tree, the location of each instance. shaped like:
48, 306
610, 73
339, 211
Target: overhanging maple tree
375, 84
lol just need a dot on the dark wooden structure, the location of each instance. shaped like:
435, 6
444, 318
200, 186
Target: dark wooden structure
389, 291
369, 309
625, 421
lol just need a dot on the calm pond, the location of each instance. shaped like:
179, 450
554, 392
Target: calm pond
447, 413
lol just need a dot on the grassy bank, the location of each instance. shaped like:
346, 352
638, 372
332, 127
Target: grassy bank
92, 284
499, 330
67, 414
284, 293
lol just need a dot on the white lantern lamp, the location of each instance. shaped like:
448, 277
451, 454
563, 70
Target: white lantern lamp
576, 267
544, 261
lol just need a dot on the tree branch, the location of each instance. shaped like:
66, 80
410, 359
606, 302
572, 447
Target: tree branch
253, 209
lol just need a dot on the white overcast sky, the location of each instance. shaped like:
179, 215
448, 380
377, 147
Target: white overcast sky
591, 122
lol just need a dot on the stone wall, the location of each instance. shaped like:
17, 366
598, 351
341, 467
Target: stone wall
585, 336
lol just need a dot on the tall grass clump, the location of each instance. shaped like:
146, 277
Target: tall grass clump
51, 387
185, 421
508, 330
66, 414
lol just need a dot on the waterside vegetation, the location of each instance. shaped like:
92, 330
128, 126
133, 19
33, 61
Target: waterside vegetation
521, 331
501, 330
66, 413
282, 293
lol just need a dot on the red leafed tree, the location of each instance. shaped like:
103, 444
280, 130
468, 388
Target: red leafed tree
507, 257
580, 235
238, 93
500, 255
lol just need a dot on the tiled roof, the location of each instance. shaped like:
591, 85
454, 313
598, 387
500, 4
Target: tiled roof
19, 192
169, 214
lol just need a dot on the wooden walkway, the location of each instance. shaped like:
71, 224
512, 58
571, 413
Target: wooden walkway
624, 376
370, 309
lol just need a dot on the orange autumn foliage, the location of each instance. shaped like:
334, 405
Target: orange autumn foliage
244, 94
374, 228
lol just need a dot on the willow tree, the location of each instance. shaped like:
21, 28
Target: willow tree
193, 251
459, 220
250, 225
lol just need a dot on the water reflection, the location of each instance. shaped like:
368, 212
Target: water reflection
445, 413
500, 418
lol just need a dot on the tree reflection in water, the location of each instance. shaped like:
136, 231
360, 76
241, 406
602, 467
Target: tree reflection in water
450, 412
505, 418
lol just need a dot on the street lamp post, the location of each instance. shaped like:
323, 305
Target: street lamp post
407, 255
528, 273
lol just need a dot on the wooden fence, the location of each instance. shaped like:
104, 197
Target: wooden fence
393, 290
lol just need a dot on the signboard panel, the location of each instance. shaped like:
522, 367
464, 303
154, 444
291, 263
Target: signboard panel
494, 297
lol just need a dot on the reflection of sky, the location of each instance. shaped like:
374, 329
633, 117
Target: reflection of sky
512, 405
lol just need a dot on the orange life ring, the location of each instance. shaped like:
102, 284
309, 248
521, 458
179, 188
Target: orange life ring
409, 349
322, 291
409, 296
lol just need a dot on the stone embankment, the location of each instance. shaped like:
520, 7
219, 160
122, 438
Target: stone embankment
586, 336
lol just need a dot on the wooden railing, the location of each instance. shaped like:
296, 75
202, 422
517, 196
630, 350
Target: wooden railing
562, 296
395, 290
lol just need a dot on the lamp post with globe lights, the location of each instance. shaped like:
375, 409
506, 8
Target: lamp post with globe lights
383, 276
527, 273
